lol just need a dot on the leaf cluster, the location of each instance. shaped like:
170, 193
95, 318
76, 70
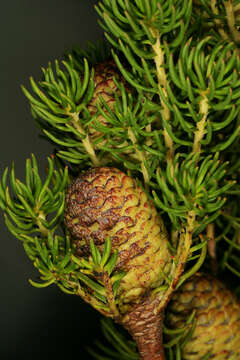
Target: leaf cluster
60, 100
100, 267
193, 186
132, 28
204, 71
33, 213
34, 206
199, 67
218, 18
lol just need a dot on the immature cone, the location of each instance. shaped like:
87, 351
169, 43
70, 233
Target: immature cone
105, 89
217, 314
106, 202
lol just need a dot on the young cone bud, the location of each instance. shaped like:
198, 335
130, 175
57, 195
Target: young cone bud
217, 318
105, 89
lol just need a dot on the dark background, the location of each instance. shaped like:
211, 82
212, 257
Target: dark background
36, 323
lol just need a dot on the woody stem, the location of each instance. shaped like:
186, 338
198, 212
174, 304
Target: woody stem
145, 326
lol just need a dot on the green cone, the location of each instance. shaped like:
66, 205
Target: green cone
106, 202
217, 330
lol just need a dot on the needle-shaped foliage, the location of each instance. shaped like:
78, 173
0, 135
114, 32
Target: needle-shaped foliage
59, 106
205, 102
101, 266
93, 278
218, 18
132, 28
198, 84
228, 238
194, 186
34, 206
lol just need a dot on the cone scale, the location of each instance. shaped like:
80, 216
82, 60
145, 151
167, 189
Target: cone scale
106, 202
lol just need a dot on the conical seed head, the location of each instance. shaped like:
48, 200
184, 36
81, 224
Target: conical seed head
104, 89
217, 318
106, 202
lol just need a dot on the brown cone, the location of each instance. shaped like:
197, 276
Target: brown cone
218, 318
105, 89
106, 202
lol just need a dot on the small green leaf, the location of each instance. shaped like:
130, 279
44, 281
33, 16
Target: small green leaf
65, 290
109, 267
106, 252
96, 256
65, 261
91, 284
116, 282
41, 285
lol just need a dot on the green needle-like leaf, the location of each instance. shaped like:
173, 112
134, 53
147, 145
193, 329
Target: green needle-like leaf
106, 252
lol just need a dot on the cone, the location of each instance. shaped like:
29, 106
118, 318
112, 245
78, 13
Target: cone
106, 202
105, 88
217, 316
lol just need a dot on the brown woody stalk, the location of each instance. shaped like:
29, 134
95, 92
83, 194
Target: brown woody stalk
144, 324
